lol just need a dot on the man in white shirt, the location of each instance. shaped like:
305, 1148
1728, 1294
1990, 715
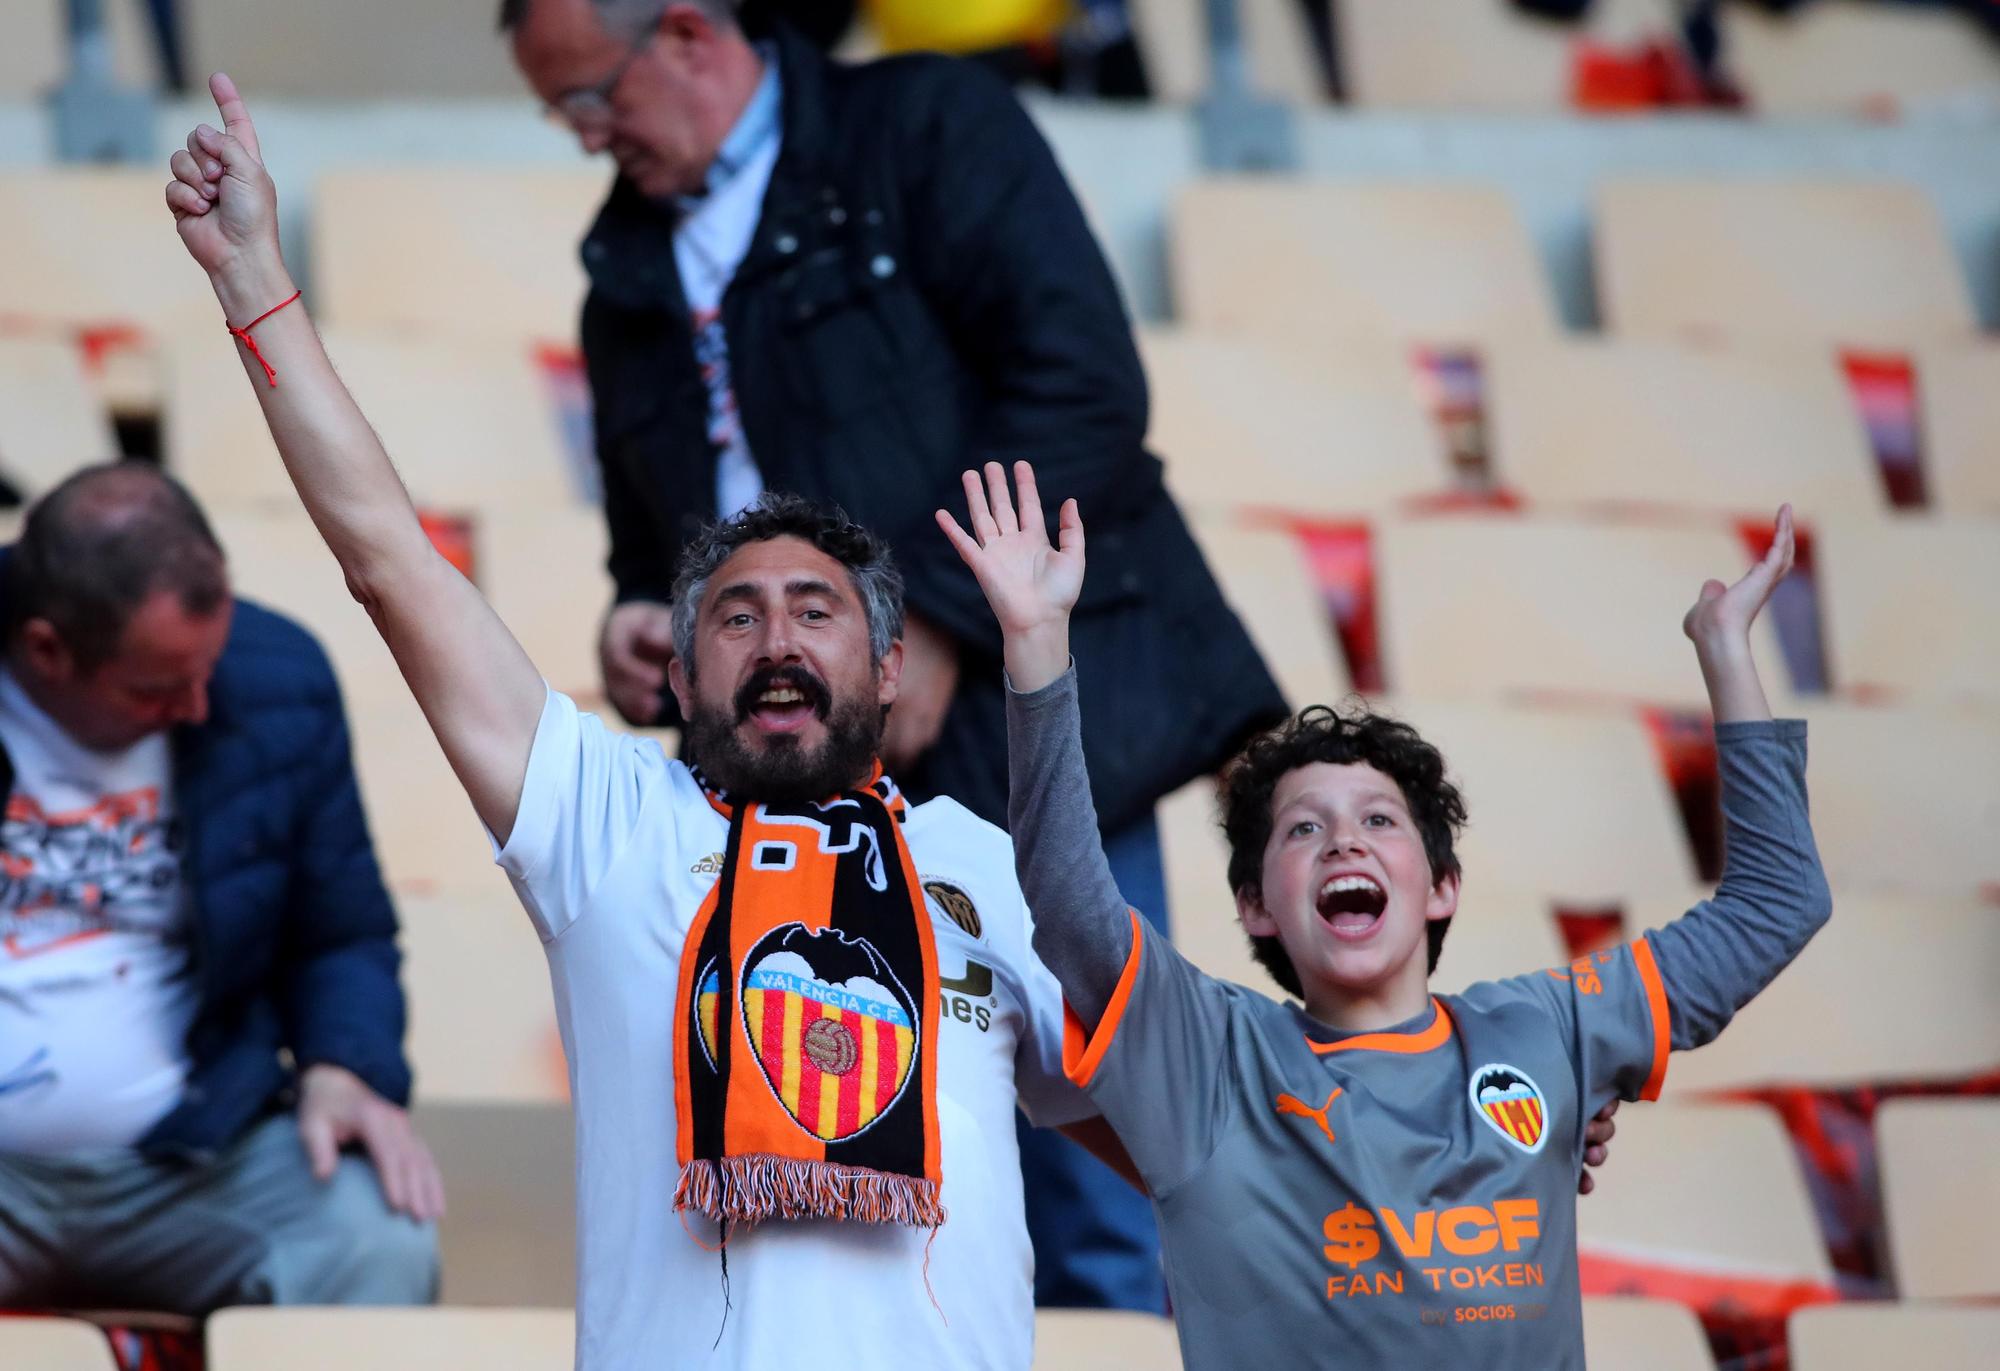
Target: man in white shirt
788, 661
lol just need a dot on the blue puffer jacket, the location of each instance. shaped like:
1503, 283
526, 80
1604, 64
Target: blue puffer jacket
294, 938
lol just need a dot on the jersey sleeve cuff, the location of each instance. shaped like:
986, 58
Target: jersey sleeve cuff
1083, 1052
1656, 1007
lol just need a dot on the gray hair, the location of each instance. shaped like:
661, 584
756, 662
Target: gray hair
625, 20
827, 527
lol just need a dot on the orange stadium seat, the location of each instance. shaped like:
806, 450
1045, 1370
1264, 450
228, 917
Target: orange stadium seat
1958, 391
1909, 607
1333, 261
1478, 54
51, 420
1860, 263
1897, 955
1702, 1189
469, 426
1633, 1334
508, 1237
1940, 1164
1299, 428
1489, 606
1654, 422
1868, 1337
482, 1016
1086, 1339
309, 1339
1264, 576
1905, 799
37, 1344
469, 252
1840, 57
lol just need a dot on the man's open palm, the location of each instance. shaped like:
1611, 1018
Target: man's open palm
223, 201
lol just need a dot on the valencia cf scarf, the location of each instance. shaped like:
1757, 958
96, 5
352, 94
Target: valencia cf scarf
805, 1031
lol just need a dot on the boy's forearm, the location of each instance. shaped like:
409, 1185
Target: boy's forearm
1735, 695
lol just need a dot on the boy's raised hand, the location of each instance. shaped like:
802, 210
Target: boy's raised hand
1719, 626
1030, 585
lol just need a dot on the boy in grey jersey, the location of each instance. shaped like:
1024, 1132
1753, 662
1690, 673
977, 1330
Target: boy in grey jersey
1383, 1177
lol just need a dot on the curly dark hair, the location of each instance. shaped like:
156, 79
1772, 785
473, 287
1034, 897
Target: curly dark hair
1344, 737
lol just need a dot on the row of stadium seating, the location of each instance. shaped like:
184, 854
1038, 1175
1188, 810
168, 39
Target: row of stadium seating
1630, 1334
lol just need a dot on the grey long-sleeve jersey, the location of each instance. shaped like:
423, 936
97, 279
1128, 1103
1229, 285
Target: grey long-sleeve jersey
1402, 1197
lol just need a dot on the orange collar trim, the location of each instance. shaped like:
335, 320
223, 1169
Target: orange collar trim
1422, 1040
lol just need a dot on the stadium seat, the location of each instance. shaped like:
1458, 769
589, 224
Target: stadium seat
1858, 1006
470, 252
1173, 42
1264, 576
1958, 393
33, 58
1496, 934
1940, 1166
543, 571
1708, 1189
1657, 423
1200, 906
1487, 606
1839, 57
1087, 1339
1632, 1334
482, 1018
1242, 423
1478, 54
1868, 1337
1909, 607
426, 835
1905, 799
38, 1344
470, 426
51, 420
326, 1339
508, 1236
1334, 261
1864, 264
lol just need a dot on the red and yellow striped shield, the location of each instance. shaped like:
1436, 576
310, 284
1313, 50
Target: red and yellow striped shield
1511, 1104
836, 1056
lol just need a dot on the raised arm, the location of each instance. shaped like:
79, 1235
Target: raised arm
1083, 927
482, 695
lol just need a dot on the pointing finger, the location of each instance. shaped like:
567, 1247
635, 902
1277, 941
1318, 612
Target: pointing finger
235, 114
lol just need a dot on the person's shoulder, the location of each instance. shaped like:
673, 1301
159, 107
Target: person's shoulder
925, 82
943, 824
269, 655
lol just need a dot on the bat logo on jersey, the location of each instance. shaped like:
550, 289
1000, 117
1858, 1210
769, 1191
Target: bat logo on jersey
1511, 1103
832, 1029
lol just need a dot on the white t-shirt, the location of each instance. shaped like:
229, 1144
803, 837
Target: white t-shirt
612, 852
95, 995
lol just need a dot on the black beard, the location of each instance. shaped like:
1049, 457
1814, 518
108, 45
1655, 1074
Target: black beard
786, 771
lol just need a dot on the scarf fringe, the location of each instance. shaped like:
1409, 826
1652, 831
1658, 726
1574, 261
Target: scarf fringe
760, 1186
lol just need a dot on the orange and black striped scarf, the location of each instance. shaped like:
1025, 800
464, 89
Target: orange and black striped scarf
805, 1029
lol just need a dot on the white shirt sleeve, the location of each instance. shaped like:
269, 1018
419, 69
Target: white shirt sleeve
580, 806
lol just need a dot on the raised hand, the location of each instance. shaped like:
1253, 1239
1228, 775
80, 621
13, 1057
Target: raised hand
1030, 585
1719, 626
224, 204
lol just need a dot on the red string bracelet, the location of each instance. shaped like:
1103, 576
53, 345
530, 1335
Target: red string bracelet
270, 373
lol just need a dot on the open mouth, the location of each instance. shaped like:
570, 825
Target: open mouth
781, 702
1351, 905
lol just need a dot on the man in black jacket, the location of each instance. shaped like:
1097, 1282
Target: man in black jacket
852, 283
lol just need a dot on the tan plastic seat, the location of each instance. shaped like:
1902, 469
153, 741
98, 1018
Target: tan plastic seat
544, 573
426, 835
1861, 263
1310, 430
54, 1345
1333, 261
1634, 1334
1658, 423
1265, 577
1858, 1006
1173, 40
366, 49
1909, 607
1491, 607
1708, 1188
309, 1339
482, 1016
33, 57
1868, 1337
1088, 1339
1200, 906
1497, 934
1839, 57
508, 1237
1905, 799
469, 425
1476, 55
1940, 1166
1958, 394
51, 420
469, 252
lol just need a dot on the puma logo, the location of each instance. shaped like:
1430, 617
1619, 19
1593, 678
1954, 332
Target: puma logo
1291, 1104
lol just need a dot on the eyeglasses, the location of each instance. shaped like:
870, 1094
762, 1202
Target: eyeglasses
589, 107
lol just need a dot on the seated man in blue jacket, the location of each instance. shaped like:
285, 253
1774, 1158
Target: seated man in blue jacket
199, 1011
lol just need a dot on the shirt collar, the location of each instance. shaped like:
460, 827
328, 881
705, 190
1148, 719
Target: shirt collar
755, 129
